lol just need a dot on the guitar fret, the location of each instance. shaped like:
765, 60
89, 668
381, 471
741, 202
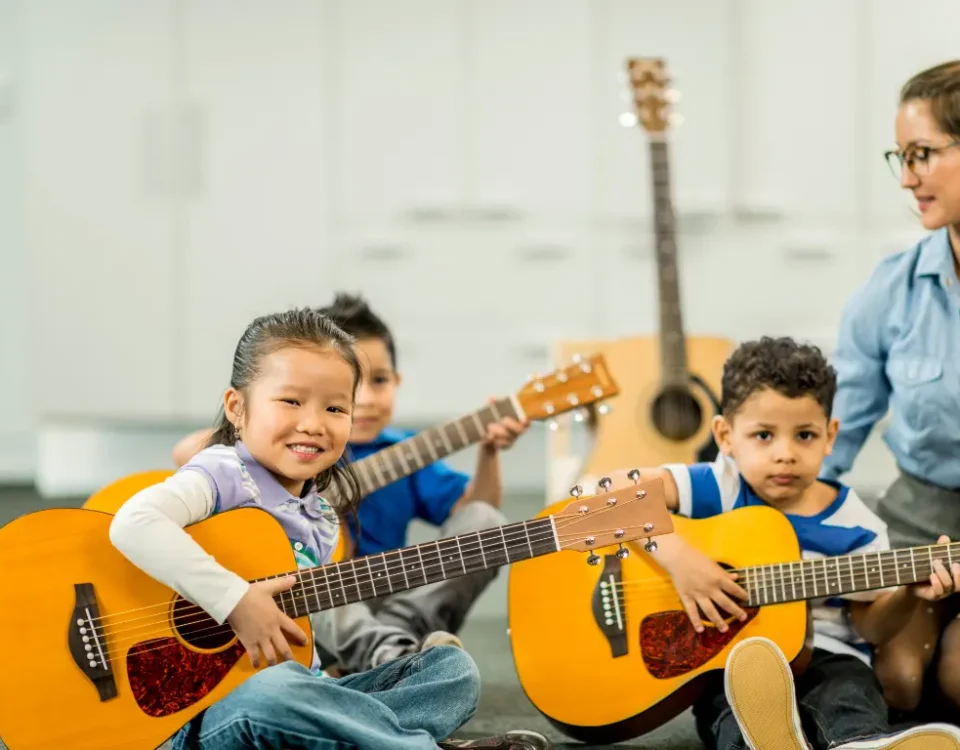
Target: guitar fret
429, 446
896, 566
880, 566
481, 428
839, 575
866, 570
913, 565
447, 446
783, 584
526, 533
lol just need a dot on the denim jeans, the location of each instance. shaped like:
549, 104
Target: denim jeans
406, 704
838, 698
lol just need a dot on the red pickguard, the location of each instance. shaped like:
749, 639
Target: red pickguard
166, 677
671, 647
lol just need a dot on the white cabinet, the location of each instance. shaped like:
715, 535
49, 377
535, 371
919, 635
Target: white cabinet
694, 38
396, 110
98, 87
797, 88
902, 41
256, 204
528, 78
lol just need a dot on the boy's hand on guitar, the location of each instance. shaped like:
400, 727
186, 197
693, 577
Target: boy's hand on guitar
501, 435
702, 583
260, 624
943, 582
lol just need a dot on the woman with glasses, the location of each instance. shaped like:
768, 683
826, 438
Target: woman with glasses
899, 347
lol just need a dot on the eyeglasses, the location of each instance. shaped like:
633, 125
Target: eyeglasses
917, 159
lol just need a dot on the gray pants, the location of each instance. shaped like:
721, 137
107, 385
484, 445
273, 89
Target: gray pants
363, 635
917, 513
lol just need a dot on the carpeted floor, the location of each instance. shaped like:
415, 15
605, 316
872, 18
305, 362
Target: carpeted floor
503, 705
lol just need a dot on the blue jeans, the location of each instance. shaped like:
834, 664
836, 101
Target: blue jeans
409, 703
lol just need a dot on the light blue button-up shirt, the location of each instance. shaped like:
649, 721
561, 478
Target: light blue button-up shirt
899, 346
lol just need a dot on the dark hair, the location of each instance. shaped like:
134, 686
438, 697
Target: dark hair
940, 86
352, 313
781, 364
303, 328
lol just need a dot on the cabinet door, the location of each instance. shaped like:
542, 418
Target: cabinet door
530, 142
396, 108
254, 139
694, 39
797, 138
99, 77
902, 40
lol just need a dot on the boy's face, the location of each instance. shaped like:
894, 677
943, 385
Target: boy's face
779, 443
377, 392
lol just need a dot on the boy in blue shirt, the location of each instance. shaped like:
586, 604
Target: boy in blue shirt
364, 635
774, 430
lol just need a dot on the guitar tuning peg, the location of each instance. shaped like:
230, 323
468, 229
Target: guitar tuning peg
633, 475
576, 490
623, 552
578, 416
604, 409
553, 424
577, 358
650, 546
605, 483
593, 558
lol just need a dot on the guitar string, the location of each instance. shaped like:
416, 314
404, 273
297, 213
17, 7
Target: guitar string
518, 531
197, 615
216, 629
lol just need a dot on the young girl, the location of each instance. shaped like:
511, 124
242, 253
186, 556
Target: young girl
279, 442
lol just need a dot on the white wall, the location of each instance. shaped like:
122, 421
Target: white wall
192, 163
17, 425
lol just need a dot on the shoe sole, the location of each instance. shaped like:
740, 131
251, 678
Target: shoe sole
759, 688
928, 737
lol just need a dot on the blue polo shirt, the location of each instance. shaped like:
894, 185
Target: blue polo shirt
428, 494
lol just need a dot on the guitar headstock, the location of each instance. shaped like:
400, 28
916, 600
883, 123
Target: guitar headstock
637, 511
652, 97
586, 381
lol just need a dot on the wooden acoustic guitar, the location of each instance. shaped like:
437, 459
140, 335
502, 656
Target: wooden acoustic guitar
663, 414
580, 384
99, 656
622, 623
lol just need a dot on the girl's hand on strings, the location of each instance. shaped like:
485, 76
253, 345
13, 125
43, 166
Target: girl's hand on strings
262, 627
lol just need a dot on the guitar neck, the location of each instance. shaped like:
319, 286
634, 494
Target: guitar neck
846, 574
372, 576
673, 348
410, 455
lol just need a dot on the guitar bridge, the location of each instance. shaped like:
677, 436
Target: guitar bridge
88, 645
609, 611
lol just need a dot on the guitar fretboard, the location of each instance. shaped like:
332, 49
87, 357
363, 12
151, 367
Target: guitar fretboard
403, 459
846, 574
673, 349
372, 576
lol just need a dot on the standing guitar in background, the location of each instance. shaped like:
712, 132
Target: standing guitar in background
662, 415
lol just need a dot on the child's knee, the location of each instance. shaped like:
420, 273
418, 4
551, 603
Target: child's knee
901, 677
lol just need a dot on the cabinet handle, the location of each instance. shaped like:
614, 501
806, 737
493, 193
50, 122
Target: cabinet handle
545, 252
384, 252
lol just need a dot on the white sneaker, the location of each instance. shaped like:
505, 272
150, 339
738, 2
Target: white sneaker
924, 737
759, 688
440, 638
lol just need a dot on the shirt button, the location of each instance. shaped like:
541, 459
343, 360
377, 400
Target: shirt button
298, 546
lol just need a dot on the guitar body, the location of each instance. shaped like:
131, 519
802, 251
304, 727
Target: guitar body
109, 499
628, 435
47, 702
605, 669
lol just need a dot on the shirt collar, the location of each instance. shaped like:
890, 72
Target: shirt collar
936, 256
270, 489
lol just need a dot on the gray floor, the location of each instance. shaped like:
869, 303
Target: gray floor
503, 705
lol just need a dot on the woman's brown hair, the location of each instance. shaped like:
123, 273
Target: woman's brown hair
940, 86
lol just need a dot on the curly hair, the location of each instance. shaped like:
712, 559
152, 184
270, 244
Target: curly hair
352, 314
781, 364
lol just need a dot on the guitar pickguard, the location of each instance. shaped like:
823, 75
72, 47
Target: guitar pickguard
166, 677
671, 647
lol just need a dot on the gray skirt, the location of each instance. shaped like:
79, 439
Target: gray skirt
917, 512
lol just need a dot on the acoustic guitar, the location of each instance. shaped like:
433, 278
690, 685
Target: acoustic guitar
98, 655
622, 622
580, 384
664, 413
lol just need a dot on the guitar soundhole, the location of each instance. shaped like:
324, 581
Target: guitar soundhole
198, 629
676, 414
